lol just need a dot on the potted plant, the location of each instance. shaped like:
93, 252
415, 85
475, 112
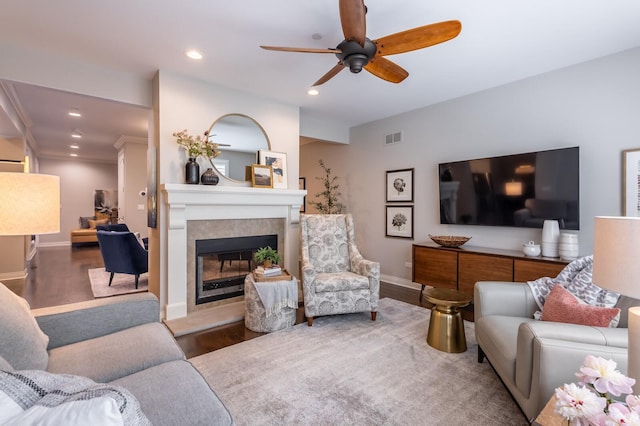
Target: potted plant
267, 256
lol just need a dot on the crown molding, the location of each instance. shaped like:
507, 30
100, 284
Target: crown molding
130, 139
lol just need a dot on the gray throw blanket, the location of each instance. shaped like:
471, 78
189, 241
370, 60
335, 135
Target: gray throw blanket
46, 391
576, 278
277, 295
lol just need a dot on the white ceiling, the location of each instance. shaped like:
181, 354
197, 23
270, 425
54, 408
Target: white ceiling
501, 41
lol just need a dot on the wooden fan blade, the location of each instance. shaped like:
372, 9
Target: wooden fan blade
417, 38
353, 20
328, 76
301, 49
386, 70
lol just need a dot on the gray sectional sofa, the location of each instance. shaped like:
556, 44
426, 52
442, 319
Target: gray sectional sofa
117, 341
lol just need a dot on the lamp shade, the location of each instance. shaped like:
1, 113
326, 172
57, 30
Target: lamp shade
616, 254
29, 204
513, 188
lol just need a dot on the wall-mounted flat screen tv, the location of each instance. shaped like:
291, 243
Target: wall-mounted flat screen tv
521, 190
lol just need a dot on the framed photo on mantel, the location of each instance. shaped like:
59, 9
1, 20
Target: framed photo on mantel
261, 176
278, 162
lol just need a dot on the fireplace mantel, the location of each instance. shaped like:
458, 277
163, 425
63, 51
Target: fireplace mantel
205, 195
184, 203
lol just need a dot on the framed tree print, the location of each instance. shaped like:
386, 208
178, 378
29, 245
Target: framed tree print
399, 220
631, 182
400, 186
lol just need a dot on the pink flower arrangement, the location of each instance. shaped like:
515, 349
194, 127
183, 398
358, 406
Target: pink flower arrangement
590, 402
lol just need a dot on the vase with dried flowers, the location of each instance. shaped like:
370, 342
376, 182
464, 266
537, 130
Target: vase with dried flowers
193, 145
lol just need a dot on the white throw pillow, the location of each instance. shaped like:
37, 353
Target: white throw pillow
33, 397
101, 411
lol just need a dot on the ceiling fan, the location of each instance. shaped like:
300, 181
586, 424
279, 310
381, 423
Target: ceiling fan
357, 51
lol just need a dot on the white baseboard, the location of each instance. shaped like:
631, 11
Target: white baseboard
13, 275
402, 282
55, 244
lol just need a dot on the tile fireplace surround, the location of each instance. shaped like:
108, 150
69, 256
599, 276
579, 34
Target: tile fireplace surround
220, 212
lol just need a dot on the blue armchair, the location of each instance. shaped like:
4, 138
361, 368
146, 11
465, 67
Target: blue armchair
119, 227
122, 254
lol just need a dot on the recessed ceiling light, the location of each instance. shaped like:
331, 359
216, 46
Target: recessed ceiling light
76, 134
73, 154
74, 146
194, 54
75, 113
313, 91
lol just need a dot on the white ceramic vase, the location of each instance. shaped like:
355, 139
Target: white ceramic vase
568, 246
550, 238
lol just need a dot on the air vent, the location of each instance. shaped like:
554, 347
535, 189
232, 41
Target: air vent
393, 138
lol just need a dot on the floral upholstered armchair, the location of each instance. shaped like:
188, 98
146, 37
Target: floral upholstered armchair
335, 277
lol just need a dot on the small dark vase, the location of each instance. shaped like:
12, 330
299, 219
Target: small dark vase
209, 177
192, 171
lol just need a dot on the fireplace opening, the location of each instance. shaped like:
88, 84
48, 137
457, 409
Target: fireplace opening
223, 263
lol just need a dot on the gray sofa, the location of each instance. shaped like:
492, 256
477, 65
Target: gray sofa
534, 357
117, 340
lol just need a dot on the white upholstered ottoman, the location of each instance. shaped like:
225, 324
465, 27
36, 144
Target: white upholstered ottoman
281, 298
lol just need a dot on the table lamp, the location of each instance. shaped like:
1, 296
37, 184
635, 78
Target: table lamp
616, 267
29, 204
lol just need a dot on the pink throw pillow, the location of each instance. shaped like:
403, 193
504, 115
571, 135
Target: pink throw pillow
562, 306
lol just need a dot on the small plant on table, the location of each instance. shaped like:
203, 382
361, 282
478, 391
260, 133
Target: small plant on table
266, 256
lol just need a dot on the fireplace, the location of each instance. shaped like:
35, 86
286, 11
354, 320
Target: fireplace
198, 212
222, 264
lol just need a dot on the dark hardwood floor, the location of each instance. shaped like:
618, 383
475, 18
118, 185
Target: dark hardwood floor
58, 275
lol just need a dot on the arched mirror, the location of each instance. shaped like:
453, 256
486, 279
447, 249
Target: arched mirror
239, 138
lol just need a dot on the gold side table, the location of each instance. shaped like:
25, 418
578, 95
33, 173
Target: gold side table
446, 328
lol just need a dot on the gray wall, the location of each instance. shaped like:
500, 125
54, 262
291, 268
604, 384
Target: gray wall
595, 105
78, 182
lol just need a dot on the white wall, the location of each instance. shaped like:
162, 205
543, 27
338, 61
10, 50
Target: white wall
322, 129
63, 73
194, 105
134, 210
594, 105
78, 182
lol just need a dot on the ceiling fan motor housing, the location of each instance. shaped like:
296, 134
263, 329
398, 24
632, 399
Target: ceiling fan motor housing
355, 56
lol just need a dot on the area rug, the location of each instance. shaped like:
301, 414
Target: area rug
121, 284
349, 370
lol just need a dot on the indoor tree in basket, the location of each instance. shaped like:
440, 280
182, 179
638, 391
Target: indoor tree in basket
267, 256
590, 402
329, 203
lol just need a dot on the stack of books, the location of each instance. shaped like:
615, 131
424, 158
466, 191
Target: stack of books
272, 271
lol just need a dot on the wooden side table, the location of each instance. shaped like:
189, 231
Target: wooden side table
548, 417
446, 328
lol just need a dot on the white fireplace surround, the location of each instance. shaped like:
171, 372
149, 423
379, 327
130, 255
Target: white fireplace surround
201, 202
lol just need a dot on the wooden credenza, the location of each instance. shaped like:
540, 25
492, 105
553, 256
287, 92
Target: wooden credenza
461, 268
